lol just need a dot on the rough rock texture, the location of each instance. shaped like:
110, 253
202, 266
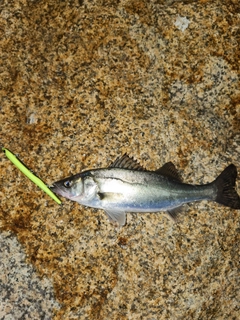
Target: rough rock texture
82, 82
23, 294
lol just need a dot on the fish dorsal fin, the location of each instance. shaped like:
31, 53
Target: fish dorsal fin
126, 162
169, 170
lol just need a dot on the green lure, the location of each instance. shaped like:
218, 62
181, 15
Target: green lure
29, 174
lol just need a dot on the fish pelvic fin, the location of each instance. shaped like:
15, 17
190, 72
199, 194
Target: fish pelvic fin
226, 184
117, 216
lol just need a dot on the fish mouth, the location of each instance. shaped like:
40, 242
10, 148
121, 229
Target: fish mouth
54, 188
57, 190
60, 191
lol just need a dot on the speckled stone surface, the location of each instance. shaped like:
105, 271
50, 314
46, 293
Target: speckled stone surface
82, 82
23, 294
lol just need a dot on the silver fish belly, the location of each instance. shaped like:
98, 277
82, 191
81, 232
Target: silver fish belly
127, 187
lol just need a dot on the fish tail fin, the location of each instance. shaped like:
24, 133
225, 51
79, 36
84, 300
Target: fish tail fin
226, 192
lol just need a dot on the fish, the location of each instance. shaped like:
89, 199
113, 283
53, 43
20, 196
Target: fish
125, 186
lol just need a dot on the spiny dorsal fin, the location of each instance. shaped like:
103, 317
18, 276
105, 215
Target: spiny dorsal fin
126, 162
169, 170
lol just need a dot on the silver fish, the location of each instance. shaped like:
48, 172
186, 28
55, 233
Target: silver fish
125, 186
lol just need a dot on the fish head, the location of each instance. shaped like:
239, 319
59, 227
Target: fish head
80, 187
69, 187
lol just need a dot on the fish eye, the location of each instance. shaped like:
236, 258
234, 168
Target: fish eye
67, 184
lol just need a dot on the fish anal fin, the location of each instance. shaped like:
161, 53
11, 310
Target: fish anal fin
118, 216
173, 214
169, 170
126, 162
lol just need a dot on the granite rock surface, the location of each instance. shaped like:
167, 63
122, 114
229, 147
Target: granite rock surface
82, 82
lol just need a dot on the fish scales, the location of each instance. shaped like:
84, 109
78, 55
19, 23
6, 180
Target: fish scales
125, 186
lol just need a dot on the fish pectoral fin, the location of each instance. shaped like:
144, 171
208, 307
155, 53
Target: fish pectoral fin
118, 216
109, 196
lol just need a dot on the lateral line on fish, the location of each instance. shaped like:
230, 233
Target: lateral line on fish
140, 190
